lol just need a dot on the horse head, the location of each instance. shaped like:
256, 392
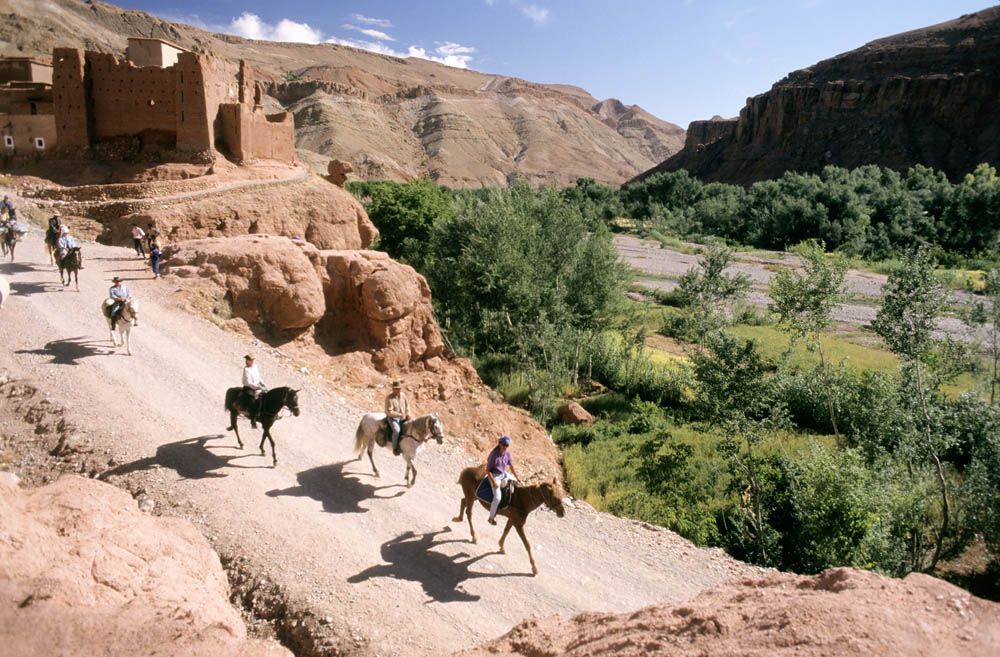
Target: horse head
437, 428
292, 401
553, 497
132, 310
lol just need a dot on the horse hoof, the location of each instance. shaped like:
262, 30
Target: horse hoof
230, 429
263, 453
458, 519
534, 572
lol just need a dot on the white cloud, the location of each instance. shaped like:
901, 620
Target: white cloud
537, 15
452, 48
252, 27
370, 32
368, 20
449, 54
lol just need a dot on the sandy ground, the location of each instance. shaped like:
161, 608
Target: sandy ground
663, 266
368, 556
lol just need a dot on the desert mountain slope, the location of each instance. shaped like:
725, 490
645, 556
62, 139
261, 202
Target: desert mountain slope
390, 117
928, 96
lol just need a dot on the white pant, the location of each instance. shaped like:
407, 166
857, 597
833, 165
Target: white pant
500, 480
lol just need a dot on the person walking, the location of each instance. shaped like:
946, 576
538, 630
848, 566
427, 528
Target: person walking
152, 234
137, 236
154, 258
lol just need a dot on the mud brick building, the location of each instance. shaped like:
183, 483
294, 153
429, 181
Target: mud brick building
162, 104
27, 125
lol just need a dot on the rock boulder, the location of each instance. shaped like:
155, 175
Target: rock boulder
270, 280
378, 305
85, 573
573, 413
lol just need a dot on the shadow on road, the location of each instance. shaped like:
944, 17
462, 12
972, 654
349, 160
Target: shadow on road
190, 458
338, 494
16, 267
69, 351
410, 557
27, 289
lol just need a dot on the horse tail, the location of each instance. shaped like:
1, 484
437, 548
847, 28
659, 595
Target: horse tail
230, 398
359, 439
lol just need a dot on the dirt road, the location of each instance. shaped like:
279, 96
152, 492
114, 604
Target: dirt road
660, 268
369, 557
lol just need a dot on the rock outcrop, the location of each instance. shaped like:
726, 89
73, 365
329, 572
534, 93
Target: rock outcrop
573, 413
84, 572
269, 280
929, 97
359, 301
382, 307
390, 117
843, 612
324, 214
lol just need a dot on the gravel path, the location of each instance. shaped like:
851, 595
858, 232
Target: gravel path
371, 557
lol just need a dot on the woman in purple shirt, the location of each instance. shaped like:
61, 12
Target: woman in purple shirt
499, 469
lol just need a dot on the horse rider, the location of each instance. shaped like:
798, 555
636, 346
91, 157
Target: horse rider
499, 470
254, 386
65, 241
7, 206
120, 294
397, 412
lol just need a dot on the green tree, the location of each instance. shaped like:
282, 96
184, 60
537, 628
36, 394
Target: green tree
986, 315
709, 292
804, 303
405, 214
912, 299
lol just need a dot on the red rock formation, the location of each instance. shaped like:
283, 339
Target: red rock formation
85, 573
843, 612
929, 96
382, 307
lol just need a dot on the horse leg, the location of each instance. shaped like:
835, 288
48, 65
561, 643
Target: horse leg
127, 339
503, 536
270, 439
232, 427
372, 459
263, 437
527, 546
411, 468
469, 503
76, 279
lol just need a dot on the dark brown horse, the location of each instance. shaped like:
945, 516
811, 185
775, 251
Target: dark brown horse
240, 402
524, 500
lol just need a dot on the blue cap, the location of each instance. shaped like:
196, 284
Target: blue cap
505, 440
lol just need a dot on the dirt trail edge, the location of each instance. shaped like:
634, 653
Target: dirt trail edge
381, 567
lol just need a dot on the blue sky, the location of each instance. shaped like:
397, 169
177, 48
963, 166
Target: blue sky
680, 59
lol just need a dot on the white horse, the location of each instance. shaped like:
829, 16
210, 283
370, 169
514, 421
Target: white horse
4, 290
372, 429
128, 318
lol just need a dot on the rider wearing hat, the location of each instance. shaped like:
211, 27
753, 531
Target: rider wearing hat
397, 412
253, 384
499, 470
120, 294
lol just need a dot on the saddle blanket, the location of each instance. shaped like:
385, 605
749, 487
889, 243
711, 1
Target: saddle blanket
485, 493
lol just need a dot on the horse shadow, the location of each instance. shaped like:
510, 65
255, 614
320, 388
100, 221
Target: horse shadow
17, 267
338, 494
69, 351
27, 289
189, 458
409, 557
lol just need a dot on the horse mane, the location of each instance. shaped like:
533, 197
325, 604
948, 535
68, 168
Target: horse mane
534, 496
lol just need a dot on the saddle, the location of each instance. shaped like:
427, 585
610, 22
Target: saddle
485, 492
384, 435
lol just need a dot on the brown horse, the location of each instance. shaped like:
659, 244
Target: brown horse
524, 500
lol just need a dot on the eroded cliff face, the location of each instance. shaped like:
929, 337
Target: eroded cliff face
930, 97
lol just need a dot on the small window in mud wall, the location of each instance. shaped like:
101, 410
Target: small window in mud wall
8, 142
39, 143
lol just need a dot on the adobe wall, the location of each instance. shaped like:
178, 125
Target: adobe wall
251, 135
72, 108
127, 100
24, 70
25, 128
150, 52
26, 99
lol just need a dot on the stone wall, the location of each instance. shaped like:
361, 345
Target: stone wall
69, 90
250, 134
127, 100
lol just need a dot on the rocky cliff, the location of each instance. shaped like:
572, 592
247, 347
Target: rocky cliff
929, 96
389, 117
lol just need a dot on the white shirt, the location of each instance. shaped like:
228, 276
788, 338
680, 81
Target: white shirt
251, 376
137, 233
